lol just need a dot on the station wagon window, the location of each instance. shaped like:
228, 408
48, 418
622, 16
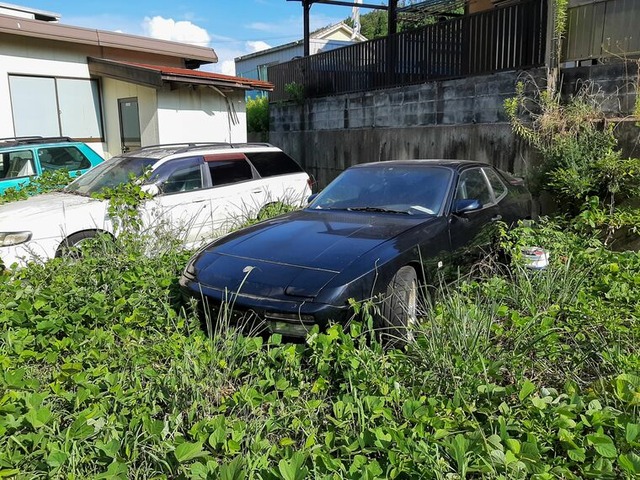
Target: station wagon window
499, 188
181, 175
472, 185
59, 158
270, 164
16, 164
227, 169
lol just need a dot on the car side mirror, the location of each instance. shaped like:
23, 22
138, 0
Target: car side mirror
150, 189
311, 198
464, 205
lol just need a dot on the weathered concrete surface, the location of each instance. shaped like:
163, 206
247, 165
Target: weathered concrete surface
461, 119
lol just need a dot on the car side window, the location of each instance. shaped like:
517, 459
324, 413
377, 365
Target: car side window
225, 170
473, 185
270, 164
62, 158
182, 175
17, 164
499, 188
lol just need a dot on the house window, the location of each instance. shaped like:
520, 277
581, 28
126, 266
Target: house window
52, 107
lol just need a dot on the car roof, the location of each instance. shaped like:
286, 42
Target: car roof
12, 142
165, 150
450, 163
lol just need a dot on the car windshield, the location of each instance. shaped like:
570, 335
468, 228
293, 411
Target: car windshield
109, 174
405, 189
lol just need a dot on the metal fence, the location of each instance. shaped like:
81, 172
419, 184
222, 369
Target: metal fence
603, 29
501, 39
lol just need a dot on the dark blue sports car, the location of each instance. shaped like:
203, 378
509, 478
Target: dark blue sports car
377, 231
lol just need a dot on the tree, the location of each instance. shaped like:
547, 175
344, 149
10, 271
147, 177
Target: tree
258, 116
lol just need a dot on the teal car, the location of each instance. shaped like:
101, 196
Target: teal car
23, 158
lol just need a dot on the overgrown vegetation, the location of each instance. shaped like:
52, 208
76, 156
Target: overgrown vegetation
512, 374
581, 163
50, 180
258, 117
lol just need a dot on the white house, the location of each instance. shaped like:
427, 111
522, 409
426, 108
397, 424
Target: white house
111, 90
254, 65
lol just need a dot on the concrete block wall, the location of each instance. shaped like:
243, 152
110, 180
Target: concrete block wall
462, 118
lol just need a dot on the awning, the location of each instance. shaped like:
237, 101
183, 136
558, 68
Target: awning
156, 76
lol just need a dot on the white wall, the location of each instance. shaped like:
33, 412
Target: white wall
24, 56
112, 90
192, 114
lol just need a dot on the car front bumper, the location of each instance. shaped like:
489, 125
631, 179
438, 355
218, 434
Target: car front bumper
293, 317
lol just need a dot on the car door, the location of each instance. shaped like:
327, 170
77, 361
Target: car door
66, 157
183, 202
235, 196
473, 232
16, 168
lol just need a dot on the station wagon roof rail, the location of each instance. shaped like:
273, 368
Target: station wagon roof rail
13, 141
189, 146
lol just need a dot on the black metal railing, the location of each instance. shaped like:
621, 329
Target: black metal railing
505, 38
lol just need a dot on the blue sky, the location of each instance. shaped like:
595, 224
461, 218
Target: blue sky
231, 27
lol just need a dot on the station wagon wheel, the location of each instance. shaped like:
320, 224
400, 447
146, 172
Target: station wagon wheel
399, 310
71, 246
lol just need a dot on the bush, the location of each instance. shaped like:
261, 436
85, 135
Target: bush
581, 163
258, 116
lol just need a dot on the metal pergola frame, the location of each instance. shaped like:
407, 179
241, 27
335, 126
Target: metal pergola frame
391, 7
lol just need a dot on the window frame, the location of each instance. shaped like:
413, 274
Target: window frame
505, 192
59, 113
226, 157
492, 201
172, 165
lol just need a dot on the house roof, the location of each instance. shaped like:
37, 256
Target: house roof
193, 54
319, 34
34, 13
157, 75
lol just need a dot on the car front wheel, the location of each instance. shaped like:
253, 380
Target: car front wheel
399, 309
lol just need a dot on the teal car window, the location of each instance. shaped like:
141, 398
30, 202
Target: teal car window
17, 164
62, 158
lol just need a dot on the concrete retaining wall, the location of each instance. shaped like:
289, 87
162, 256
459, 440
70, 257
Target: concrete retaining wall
461, 118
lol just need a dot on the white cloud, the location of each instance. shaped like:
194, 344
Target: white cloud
178, 31
257, 46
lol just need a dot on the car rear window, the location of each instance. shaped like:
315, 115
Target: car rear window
270, 164
62, 158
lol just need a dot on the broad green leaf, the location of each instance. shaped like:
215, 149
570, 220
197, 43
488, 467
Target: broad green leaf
577, 454
526, 390
294, 468
603, 445
188, 451
286, 442
513, 445
79, 429
234, 470
8, 472
632, 432
57, 458
38, 417
630, 462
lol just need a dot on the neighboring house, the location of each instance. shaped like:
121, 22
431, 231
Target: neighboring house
254, 65
114, 91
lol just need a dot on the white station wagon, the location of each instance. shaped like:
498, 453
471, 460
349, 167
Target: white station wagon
200, 189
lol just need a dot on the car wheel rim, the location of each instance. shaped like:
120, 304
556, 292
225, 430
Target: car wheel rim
412, 311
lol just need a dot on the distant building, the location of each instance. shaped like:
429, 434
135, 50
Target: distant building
255, 65
114, 91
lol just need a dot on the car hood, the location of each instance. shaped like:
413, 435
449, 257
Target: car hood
297, 254
48, 207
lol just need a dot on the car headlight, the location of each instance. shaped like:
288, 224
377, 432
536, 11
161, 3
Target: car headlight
14, 238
